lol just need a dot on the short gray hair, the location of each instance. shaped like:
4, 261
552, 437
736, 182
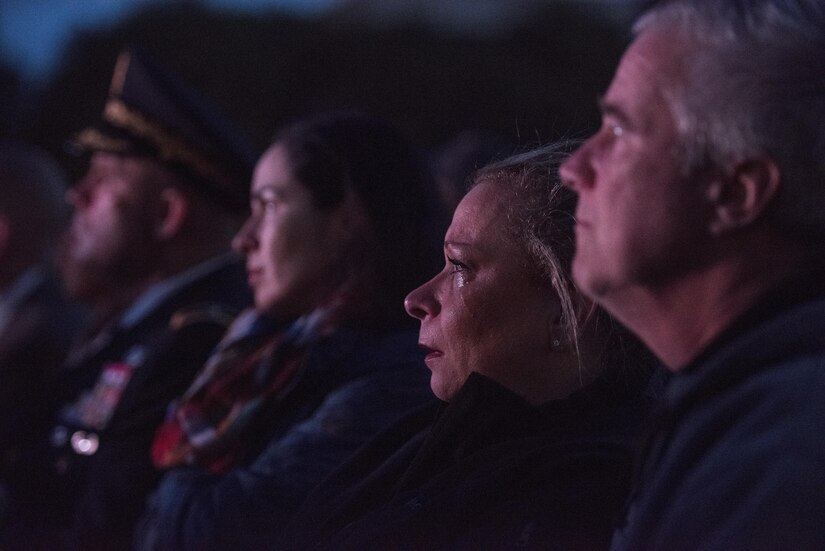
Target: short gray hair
755, 85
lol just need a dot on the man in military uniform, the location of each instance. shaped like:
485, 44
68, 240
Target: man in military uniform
147, 248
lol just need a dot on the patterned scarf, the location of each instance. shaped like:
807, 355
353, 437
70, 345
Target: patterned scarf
255, 363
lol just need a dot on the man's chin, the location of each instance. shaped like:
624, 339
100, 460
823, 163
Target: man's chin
588, 279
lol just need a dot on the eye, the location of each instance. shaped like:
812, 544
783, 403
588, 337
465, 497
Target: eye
457, 266
269, 203
613, 127
459, 272
262, 204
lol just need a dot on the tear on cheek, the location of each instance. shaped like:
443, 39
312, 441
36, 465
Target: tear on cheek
460, 280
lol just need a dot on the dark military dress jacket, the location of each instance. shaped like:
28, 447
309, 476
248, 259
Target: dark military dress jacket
86, 483
38, 325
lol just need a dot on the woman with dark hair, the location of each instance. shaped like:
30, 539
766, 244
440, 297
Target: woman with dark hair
541, 395
343, 218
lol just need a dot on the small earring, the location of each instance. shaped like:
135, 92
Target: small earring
556, 343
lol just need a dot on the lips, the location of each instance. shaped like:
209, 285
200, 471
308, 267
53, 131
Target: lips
253, 275
432, 353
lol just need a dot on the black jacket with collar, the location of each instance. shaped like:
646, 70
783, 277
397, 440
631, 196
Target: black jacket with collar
733, 454
492, 472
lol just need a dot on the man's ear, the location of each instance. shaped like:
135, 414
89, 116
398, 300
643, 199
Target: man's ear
174, 208
741, 197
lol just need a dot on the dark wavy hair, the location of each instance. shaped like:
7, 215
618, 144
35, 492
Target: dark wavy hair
338, 153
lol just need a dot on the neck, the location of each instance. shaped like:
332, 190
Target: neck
555, 376
679, 319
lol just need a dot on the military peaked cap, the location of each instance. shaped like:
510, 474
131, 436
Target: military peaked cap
150, 112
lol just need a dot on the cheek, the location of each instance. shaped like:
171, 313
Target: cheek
95, 231
276, 260
465, 323
271, 246
508, 328
614, 211
282, 244
459, 312
296, 255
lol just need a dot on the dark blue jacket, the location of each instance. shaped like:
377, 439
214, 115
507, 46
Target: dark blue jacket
66, 495
735, 453
36, 338
489, 472
354, 384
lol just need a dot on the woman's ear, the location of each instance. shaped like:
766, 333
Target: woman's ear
173, 210
740, 198
557, 335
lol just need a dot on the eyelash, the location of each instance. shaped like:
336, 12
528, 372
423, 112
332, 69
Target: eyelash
263, 205
614, 128
457, 266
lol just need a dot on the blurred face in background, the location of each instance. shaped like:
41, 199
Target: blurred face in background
111, 239
483, 312
295, 252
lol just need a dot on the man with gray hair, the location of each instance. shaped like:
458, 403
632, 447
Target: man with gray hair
701, 226
37, 322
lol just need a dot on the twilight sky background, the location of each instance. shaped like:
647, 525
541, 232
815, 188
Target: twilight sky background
33, 32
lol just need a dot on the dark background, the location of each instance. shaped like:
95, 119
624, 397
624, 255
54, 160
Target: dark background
535, 81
